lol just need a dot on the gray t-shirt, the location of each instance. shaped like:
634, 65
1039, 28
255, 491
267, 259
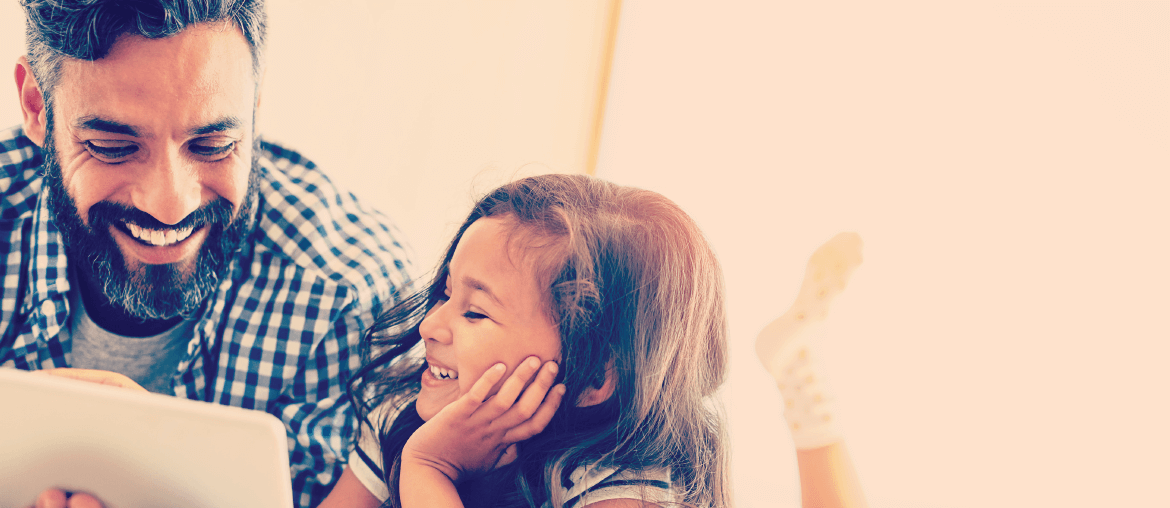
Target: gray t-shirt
150, 361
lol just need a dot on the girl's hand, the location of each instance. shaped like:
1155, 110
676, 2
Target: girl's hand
472, 434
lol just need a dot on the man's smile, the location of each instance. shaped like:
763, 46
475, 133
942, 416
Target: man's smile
158, 247
158, 238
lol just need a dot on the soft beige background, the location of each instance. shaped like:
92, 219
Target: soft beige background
1007, 164
1005, 342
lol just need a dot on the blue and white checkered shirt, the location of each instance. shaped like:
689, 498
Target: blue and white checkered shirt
279, 334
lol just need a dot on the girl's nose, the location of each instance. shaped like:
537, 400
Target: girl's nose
434, 325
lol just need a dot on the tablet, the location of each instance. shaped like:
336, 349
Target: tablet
134, 449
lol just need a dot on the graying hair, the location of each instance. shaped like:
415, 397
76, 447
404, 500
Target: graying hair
87, 29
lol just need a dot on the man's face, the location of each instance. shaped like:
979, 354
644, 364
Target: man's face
149, 162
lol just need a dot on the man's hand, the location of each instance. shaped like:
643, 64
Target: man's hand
54, 498
101, 377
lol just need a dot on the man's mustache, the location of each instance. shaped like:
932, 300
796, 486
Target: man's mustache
215, 213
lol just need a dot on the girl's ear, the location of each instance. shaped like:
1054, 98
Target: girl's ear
593, 396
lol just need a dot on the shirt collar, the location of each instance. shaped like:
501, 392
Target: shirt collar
48, 268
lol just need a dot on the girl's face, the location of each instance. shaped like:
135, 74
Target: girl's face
494, 312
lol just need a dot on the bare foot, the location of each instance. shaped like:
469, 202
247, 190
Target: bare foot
825, 277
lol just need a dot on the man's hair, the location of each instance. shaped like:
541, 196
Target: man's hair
86, 29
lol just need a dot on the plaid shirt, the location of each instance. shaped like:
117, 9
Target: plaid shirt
279, 334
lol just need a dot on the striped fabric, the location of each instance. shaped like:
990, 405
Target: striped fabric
280, 333
586, 485
593, 485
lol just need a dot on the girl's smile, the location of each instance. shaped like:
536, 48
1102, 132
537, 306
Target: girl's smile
494, 311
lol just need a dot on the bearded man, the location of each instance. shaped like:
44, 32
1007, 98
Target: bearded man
147, 231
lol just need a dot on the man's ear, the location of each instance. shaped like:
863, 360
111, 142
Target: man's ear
32, 102
593, 396
256, 106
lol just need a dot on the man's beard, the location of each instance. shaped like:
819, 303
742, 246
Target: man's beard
151, 292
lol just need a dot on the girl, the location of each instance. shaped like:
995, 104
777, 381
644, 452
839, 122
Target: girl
611, 294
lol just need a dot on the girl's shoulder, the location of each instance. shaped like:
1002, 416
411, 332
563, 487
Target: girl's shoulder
366, 459
590, 484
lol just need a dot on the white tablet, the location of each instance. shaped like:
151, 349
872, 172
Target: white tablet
134, 449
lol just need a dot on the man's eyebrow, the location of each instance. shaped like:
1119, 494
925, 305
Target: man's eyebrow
223, 124
478, 285
101, 124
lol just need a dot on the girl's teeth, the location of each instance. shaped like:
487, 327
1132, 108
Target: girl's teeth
442, 373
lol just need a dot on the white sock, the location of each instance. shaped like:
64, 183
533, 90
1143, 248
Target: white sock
809, 404
786, 346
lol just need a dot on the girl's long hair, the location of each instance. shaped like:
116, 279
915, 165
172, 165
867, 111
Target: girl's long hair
637, 294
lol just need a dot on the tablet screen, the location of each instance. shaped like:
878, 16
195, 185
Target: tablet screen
135, 449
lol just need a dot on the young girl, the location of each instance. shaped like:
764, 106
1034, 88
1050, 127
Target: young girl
564, 355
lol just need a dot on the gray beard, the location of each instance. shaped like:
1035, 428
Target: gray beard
151, 292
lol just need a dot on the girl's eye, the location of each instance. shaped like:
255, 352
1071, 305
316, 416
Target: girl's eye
116, 151
211, 150
474, 316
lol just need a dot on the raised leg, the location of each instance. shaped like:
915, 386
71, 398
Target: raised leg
784, 346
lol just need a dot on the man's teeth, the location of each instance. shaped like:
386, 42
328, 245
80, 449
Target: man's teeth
442, 373
159, 238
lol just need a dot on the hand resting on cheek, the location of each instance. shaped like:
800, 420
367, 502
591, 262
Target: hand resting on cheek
478, 432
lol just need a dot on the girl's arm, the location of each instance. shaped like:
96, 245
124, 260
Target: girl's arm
786, 348
349, 492
476, 433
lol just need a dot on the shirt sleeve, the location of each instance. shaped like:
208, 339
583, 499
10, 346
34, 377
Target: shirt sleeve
314, 406
593, 485
366, 460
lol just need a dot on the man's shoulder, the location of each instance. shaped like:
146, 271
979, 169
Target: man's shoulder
305, 219
20, 174
16, 149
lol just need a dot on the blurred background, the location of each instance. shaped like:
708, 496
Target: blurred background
1006, 163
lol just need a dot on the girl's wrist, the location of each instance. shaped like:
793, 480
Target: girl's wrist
422, 484
420, 467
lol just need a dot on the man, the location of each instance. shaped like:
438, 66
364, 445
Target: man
146, 230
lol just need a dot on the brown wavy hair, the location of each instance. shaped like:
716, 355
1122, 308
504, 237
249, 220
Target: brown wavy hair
636, 291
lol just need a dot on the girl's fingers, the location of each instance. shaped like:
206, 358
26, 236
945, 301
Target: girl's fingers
524, 408
503, 400
483, 386
539, 420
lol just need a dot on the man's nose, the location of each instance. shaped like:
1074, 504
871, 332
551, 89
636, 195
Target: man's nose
169, 189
